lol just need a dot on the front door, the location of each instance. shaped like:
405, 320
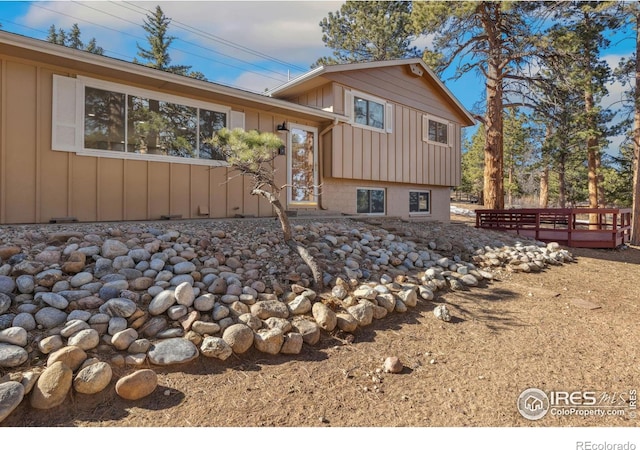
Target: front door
302, 156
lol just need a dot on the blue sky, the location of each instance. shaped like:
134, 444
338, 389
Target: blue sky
252, 45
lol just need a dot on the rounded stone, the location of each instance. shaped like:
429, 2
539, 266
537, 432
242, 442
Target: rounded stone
93, 378
161, 302
172, 351
205, 328
324, 316
52, 386
119, 307
184, 294
50, 344
12, 355
85, 339
215, 347
50, 317
14, 335
137, 385
239, 337
204, 302
7, 284
346, 322
11, 395
309, 330
25, 320
362, 312
71, 356
292, 344
270, 308
26, 284
269, 341
123, 339
393, 365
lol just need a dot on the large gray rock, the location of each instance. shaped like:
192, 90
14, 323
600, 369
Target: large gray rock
50, 317
119, 307
52, 386
11, 395
12, 355
113, 248
14, 335
172, 351
161, 302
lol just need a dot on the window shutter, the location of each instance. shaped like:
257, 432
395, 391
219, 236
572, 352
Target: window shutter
236, 120
450, 133
388, 117
348, 104
66, 129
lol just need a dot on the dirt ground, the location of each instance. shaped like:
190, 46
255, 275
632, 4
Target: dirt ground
525, 330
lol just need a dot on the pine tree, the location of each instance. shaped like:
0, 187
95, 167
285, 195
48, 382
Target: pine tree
496, 39
74, 38
157, 54
368, 31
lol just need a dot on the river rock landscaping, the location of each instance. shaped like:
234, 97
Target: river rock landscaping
80, 300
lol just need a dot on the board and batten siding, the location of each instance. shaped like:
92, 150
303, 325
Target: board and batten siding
38, 184
351, 152
401, 156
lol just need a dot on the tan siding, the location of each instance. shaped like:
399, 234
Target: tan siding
357, 151
84, 194
159, 182
347, 154
383, 161
218, 177
200, 188
110, 189
19, 163
326, 152
337, 150
366, 154
338, 98
413, 146
393, 83
136, 188
375, 156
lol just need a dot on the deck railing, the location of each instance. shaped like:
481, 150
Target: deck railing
573, 227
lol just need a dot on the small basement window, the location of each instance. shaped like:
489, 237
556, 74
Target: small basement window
370, 201
419, 202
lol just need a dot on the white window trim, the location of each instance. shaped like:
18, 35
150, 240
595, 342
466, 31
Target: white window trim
290, 201
425, 129
350, 106
367, 188
420, 213
79, 149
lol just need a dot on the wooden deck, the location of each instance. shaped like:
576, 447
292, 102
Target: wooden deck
571, 227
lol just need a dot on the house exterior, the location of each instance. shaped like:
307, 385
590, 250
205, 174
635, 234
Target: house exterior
91, 138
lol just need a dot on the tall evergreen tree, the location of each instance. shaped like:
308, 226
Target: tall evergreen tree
368, 31
74, 40
157, 54
494, 38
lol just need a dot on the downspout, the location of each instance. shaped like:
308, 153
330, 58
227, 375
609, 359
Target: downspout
321, 164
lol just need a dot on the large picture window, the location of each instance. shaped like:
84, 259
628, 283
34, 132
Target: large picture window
370, 201
132, 123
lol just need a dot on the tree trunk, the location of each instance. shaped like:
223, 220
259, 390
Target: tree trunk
635, 209
307, 257
493, 147
544, 188
562, 182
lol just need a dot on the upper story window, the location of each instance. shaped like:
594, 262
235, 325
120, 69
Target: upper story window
100, 118
369, 112
435, 130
